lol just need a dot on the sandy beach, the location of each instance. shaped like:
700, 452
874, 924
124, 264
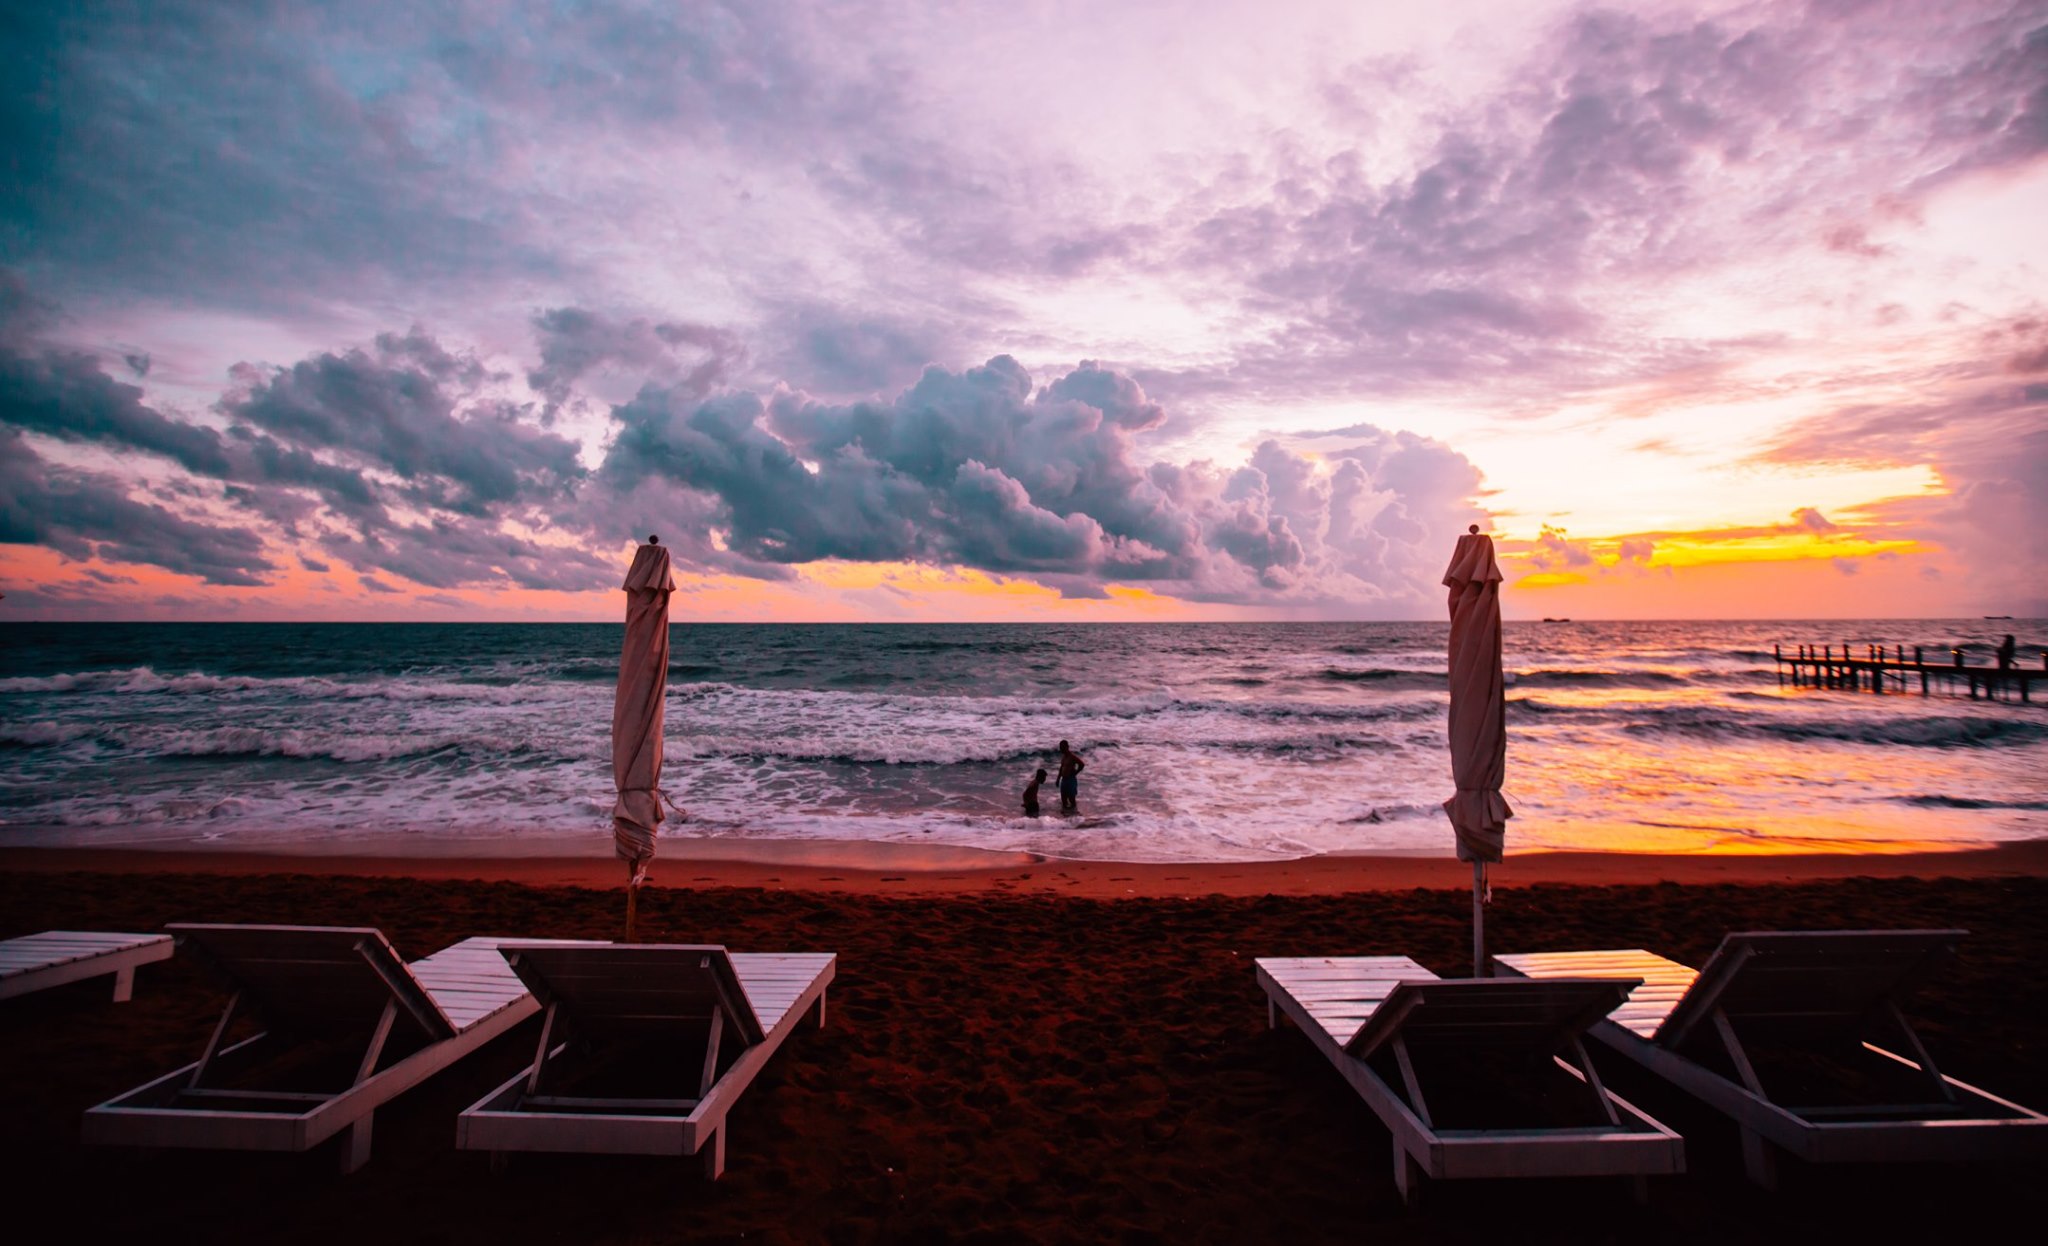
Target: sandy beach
1018, 1049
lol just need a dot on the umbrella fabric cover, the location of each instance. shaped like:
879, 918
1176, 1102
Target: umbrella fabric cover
636, 710
1479, 735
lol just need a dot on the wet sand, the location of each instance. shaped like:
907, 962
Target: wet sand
1017, 1051
912, 869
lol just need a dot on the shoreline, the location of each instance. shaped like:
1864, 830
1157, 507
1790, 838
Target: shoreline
868, 867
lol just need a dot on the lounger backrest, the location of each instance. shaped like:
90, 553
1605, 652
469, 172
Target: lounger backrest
316, 979
1810, 976
632, 989
1513, 1014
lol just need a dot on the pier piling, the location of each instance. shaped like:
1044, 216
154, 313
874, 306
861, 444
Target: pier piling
1818, 666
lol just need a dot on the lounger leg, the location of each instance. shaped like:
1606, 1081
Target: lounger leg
124, 984
821, 1010
355, 1145
714, 1153
1759, 1160
1639, 1190
1272, 1014
500, 1160
1407, 1175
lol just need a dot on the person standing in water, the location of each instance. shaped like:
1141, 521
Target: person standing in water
1031, 793
1071, 766
2005, 653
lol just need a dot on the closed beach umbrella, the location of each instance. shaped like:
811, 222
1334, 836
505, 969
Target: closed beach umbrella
1479, 734
636, 715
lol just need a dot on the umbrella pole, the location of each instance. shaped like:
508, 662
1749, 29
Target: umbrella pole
633, 902
1479, 919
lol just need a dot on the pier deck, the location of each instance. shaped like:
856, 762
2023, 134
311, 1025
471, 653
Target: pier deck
1878, 672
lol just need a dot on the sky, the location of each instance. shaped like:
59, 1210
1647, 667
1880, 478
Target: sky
1032, 311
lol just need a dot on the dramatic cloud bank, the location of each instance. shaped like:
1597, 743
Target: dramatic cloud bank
982, 469
387, 458
398, 458
432, 303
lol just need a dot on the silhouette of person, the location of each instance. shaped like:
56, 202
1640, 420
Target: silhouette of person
2005, 652
1031, 793
1071, 766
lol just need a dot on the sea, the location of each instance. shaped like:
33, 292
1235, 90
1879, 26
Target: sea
1203, 741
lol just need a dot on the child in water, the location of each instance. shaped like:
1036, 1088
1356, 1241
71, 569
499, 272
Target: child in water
1031, 794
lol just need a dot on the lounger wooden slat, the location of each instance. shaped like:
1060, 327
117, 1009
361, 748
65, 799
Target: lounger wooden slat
1801, 987
311, 985
39, 961
699, 993
1356, 1009
779, 984
46, 946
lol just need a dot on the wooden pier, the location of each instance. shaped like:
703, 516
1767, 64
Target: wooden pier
1875, 671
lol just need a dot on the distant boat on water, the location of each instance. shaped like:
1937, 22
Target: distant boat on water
1548, 619
1997, 616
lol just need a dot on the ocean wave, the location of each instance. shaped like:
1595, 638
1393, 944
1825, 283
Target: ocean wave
1380, 675
1944, 731
1968, 802
1544, 678
42, 734
968, 742
866, 679
843, 753
1779, 722
352, 747
608, 672
144, 681
955, 712
979, 646
1379, 814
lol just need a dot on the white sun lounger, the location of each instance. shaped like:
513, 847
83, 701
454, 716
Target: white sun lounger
55, 957
1385, 1022
344, 989
1819, 993
702, 1021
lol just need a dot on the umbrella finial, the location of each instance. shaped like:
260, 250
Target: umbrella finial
1474, 529
655, 540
